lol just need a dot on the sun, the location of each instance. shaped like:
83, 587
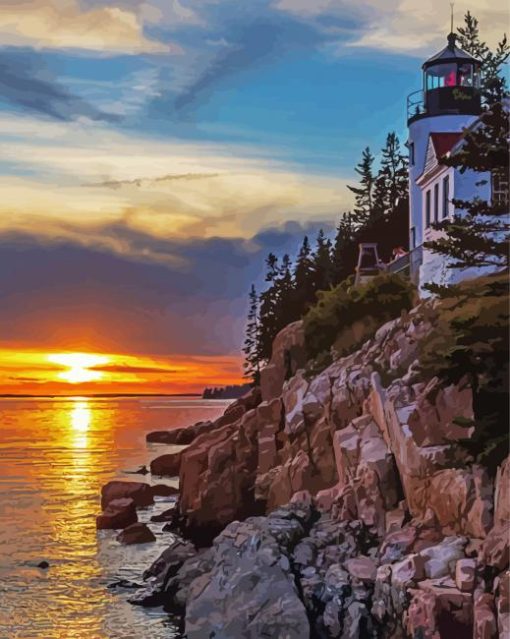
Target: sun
79, 366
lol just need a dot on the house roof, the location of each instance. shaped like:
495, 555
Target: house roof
444, 142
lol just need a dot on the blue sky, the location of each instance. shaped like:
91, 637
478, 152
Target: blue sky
187, 138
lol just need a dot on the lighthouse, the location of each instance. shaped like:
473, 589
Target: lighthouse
448, 103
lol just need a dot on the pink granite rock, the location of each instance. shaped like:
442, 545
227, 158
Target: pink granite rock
119, 513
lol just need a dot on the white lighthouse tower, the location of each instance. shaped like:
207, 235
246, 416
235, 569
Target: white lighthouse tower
448, 103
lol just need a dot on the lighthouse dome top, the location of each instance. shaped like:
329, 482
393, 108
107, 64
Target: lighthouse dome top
451, 53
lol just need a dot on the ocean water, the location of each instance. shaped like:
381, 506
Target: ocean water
55, 454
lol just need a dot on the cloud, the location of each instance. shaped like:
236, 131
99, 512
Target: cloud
65, 24
126, 368
24, 82
140, 182
86, 184
410, 27
250, 41
86, 299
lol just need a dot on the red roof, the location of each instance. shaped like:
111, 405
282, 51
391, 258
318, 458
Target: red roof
444, 142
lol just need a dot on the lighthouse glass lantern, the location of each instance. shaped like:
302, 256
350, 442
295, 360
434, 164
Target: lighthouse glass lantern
451, 81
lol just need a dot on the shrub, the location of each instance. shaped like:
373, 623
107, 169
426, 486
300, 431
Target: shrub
348, 315
470, 340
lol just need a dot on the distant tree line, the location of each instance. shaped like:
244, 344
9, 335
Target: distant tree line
380, 211
233, 391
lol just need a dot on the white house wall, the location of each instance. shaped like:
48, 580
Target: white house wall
419, 132
463, 186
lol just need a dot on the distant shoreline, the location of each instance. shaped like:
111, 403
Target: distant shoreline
98, 395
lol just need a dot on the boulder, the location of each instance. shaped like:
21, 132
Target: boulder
166, 465
465, 574
361, 568
119, 513
250, 590
485, 625
166, 515
503, 604
157, 591
138, 533
438, 609
408, 571
441, 559
164, 490
495, 550
502, 494
139, 492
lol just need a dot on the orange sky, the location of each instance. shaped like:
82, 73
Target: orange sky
72, 373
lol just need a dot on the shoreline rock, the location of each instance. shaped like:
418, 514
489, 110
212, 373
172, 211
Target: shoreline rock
137, 533
119, 513
339, 506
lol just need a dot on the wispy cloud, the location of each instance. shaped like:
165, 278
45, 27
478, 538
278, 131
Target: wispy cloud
410, 27
26, 83
66, 24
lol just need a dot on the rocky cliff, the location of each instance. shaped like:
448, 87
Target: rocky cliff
342, 505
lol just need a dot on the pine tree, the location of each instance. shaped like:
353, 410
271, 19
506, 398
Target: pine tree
345, 248
363, 208
251, 348
493, 79
391, 182
478, 235
268, 309
304, 280
284, 293
323, 265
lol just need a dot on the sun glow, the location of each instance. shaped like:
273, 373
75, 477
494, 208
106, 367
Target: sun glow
79, 366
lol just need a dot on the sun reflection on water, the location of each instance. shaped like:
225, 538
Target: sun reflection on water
80, 418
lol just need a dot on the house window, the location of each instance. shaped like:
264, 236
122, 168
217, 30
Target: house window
446, 196
499, 187
427, 209
436, 203
411, 154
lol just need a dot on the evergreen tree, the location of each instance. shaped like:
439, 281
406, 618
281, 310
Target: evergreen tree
251, 348
284, 294
391, 183
493, 79
345, 248
478, 235
363, 208
323, 266
268, 309
304, 281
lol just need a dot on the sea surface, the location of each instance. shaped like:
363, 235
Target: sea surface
55, 454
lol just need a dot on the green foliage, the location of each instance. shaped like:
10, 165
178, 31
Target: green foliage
470, 342
493, 78
364, 192
251, 347
358, 309
479, 235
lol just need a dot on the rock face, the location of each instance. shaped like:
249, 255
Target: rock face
119, 513
139, 492
136, 534
341, 506
288, 356
166, 465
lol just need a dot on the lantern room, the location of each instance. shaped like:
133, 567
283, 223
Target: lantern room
452, 82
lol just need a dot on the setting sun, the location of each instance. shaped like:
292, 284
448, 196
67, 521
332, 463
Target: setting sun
79, 366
